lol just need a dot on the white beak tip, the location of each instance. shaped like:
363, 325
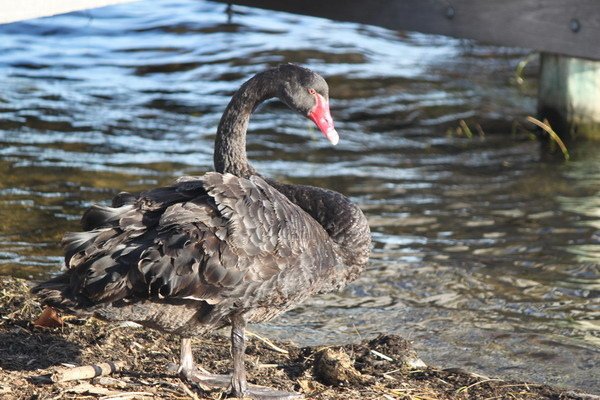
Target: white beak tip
333, 136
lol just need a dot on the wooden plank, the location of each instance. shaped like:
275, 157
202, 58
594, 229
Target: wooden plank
570, 27
18, 10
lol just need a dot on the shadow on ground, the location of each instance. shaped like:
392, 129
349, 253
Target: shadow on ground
27, 351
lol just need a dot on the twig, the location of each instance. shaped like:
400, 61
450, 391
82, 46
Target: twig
381, 355
521, 66
267, 365
87, 371
127, 396
527, 385
465, 128
465, 388
388, 376
269, 344
188, 391
546, 127
411, 393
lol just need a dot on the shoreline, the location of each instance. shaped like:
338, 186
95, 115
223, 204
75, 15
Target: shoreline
385, 367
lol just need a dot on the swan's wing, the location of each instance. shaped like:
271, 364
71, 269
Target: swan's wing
207, 238
263, 223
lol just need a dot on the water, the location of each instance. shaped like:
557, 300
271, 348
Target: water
486, 251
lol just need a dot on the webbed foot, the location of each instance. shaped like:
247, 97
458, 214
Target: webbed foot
208, 382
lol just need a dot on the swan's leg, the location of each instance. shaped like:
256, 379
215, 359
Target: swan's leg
186, 359
239, 387
237, 381
190, 372
238, 348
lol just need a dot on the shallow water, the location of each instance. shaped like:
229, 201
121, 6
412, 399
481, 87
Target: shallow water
486, 251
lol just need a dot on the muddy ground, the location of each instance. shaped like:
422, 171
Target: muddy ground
381, 368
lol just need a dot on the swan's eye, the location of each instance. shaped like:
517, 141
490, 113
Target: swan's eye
312, 91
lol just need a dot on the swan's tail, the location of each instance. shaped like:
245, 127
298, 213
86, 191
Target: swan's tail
57, 292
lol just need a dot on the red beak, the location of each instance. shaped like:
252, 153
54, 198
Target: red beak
321, 116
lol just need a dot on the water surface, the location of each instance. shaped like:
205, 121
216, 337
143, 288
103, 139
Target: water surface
486, 252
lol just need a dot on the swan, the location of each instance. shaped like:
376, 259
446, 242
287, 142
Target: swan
226, 248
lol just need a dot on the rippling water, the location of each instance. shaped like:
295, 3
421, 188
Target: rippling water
487, 252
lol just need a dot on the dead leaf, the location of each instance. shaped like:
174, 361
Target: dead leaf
49, 318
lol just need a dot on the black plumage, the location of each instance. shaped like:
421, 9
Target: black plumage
228, 247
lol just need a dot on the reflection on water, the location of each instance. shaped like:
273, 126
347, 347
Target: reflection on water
486, 254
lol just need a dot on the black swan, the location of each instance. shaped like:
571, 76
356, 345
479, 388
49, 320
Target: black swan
225, 248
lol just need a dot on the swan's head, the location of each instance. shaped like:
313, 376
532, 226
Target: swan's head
307, 92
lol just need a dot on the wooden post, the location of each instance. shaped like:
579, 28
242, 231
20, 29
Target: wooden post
569, 96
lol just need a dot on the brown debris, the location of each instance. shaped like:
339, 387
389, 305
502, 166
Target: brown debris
49, 318
354, 371
335, 368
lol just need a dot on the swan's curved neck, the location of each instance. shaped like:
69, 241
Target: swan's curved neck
230, 143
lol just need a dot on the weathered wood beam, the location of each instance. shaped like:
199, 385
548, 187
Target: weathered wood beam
19, 10
570, 27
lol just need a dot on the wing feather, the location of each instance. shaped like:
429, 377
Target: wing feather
216, 238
